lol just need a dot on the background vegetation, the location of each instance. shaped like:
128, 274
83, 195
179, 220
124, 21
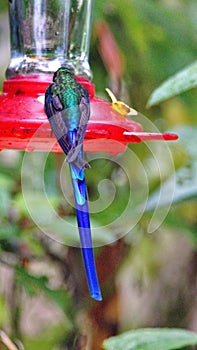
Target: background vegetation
148, 280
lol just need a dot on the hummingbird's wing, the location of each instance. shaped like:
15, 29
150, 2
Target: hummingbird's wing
53, 108
57, 117
60, 130
84, 107
84, 111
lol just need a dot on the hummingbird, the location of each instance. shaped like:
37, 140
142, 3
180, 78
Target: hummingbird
67, 106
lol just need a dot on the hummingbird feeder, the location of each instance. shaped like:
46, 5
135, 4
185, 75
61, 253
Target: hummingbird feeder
44, 36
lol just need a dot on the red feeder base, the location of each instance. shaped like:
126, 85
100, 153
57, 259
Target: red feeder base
24, 125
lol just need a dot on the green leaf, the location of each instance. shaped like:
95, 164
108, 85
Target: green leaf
182, 81
6, 185
178, 188
184, 182
8, 231
37, 205
181, 225
34, 285
187, 137
184, 185
4, 314
49, 338
151, 339
3, 6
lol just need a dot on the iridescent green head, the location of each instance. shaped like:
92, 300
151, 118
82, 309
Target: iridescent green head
62, 71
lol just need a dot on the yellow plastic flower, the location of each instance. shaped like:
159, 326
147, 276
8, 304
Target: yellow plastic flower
120, 106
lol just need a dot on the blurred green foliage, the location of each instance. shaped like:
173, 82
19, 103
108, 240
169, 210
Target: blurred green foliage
156, 39
3, 6
182, 81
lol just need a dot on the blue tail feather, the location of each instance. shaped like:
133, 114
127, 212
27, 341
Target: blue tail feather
83, 220
88, 258
78, 179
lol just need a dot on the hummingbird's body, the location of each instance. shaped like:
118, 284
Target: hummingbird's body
67, 106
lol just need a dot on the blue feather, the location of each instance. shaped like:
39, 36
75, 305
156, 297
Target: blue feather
83, 220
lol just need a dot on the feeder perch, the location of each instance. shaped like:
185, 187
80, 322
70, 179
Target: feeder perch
44, 38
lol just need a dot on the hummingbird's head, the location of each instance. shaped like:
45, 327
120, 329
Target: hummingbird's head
62, 71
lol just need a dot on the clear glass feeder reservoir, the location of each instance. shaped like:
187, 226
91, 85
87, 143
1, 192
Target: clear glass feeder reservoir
47, 34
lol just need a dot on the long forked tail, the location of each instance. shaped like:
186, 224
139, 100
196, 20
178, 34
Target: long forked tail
82, 211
